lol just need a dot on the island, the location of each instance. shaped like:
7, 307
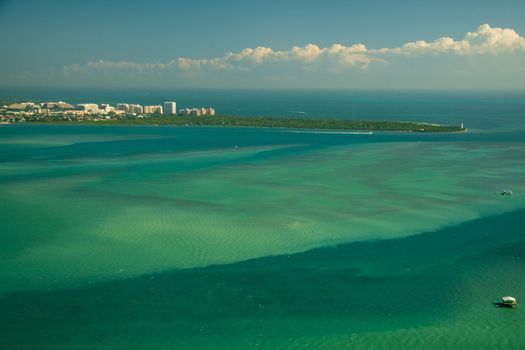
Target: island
266, 122
134, 114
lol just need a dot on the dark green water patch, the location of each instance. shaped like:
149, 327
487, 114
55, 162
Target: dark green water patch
16, 216
405, 255
367, 286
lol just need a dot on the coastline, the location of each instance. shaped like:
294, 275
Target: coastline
328, 125
283, 129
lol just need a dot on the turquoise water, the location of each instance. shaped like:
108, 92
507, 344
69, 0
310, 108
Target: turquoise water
166, 237
428, 291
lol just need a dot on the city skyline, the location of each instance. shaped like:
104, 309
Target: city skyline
409, 45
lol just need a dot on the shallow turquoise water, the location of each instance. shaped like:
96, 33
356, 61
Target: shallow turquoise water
427, 291
163, 237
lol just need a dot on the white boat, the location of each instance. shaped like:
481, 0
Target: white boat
508, 302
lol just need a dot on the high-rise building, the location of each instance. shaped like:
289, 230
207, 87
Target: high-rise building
153, 109
123, 107
57, 105
107, 108
170, 107
135, 108
88, 107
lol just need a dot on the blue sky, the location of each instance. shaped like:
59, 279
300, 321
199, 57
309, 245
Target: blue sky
201, 43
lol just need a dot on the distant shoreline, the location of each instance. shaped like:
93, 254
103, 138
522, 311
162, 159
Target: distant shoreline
266, 122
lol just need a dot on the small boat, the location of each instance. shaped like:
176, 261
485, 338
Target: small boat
508, 302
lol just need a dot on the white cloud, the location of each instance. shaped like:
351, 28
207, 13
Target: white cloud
495, 40
257, 55
355, 55
485, 40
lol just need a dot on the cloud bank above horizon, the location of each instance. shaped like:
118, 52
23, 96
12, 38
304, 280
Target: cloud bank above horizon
485, 40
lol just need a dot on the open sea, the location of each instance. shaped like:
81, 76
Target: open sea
161, 237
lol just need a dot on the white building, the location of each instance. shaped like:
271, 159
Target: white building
107, 108
153, 109
22, 106
130, 108
135, 109
197, 111
170, 107
88, 107
123, 107
57, 105
188, 111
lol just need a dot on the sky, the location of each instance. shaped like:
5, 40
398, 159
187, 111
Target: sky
369, 44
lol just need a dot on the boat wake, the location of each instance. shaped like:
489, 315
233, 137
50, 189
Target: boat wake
331, 132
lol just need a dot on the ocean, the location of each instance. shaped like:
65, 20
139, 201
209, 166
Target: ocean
160, 237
